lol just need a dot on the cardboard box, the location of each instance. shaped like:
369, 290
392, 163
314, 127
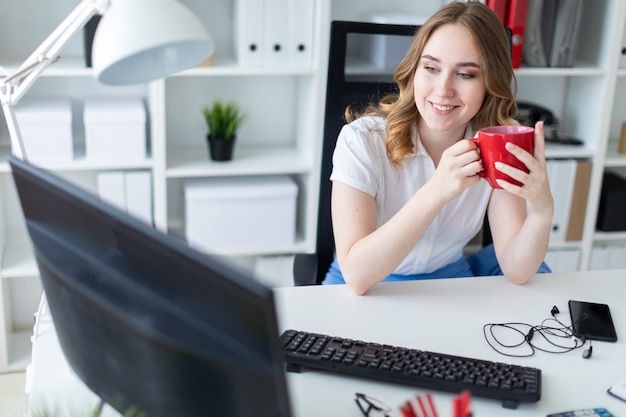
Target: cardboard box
46, 128
115, 129
240, 213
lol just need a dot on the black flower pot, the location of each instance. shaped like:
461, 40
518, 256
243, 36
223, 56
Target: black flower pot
221, 149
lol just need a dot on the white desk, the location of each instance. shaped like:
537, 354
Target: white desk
444, 316
447, 316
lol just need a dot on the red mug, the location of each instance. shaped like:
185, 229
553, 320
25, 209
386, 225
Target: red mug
491, 143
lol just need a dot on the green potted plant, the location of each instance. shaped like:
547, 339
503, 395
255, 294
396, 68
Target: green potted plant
223, 120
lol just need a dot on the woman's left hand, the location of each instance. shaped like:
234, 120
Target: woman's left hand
535, 189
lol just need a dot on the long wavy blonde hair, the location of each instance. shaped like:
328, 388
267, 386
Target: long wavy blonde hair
499, 106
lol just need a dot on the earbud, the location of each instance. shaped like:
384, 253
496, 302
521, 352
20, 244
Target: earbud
587, 352
555, 310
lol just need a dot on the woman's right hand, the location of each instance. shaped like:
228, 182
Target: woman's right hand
457, 169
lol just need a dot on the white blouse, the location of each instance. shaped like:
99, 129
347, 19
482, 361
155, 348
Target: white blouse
360, 161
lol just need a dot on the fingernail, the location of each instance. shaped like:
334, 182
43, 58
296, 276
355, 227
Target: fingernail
499, 165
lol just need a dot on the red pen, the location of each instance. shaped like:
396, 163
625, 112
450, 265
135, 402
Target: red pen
421, 404
461, 405
426, 408
407, 410
432, 411
431, 404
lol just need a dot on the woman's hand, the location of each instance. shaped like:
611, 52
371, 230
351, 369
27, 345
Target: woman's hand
457, 169
535, 189
521, 226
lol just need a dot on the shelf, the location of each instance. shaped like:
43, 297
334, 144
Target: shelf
358, 65
19, 348
78, 163
297, 247
613, 157
175, 228
609, 236
569, 151
83, 165
222, 66
580, 70
228, 66
18, 261
195, 162
64, 67
565, 245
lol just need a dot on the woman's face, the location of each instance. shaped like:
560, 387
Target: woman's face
449, 87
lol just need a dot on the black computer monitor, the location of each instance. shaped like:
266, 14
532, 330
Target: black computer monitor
145, 321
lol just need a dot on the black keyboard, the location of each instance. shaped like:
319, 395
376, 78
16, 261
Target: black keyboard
512, 384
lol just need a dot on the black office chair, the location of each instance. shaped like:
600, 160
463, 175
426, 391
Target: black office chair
342, 90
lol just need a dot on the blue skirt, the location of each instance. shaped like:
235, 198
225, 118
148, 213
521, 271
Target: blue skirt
482, 263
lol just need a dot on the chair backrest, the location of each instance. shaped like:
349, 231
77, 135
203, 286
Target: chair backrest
343, 89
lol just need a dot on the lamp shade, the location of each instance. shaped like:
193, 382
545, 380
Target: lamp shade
138, 41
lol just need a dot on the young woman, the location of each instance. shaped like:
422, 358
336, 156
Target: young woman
406, 198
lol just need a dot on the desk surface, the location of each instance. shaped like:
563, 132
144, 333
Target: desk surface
444, 316
447, 316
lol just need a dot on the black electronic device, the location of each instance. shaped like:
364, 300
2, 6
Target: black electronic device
144, 320
528, 114
611, 216
511, 384
592, 321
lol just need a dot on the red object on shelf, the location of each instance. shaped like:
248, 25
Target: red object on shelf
500, 8
518, 11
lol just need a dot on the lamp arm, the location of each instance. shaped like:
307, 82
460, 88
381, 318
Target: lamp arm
49, 51
17, 145
15, 85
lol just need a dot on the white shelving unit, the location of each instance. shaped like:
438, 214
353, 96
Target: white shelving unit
283, 133
280, 136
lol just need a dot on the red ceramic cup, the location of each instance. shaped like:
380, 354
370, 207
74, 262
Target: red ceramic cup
491, 142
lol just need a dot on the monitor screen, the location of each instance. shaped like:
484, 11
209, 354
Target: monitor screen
148, 323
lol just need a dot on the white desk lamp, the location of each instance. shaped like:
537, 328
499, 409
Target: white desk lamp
136, 41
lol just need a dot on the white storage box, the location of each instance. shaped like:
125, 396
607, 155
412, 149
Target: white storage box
115, 129
240, 213
46, 128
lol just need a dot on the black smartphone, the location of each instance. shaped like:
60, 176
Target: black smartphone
592, 321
